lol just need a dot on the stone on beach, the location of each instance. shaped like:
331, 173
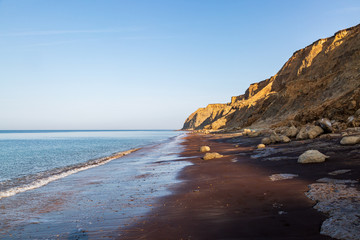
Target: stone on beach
282, 176
351, 140
261, 146
213, 155
266, 141
291, 132
309, 132
284, 139
204, 149
274, 138
254, 134
326, 125
302, 134
314, 132
312, 156
357, 113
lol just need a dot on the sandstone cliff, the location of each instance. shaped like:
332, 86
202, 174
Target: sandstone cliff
320, 80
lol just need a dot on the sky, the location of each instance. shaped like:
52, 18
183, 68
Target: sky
146, 64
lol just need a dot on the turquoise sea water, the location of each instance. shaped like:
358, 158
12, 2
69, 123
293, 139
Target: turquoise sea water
29, 157
57, 184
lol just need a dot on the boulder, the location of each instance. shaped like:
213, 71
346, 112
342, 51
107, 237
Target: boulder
357, 113
350, 140
247, 130
266, 141
253, 134
315, 131
352, 105
350, 119
204, 149
291, 132
284, 139
213, 155
309, 132
261, 146
326, 125
353, 121
312, 156
302, 134
274, 138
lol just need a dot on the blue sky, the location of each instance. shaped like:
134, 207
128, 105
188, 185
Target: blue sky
132, 64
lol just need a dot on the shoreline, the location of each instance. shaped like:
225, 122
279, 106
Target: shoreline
59, 173
40, 179
95, 203
234, 197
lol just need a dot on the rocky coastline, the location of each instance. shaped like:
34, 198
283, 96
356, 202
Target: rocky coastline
303, 121
336, 194
247, 192
320, 81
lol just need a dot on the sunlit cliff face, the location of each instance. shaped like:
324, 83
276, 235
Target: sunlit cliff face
317, 81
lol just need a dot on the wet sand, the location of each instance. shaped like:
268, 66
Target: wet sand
234, 198
96, 203
139, 197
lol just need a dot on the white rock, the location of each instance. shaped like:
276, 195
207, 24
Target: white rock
312, 156
351, 140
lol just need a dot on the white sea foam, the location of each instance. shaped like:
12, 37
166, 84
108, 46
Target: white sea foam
44, 181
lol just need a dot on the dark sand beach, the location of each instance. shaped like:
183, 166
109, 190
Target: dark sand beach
169, 192
234, 198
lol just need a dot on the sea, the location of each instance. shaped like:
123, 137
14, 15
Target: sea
58, 184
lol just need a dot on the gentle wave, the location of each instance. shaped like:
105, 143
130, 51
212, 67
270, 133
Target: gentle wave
41, 179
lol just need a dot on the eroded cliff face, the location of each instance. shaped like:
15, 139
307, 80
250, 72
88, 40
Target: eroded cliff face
320, 80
